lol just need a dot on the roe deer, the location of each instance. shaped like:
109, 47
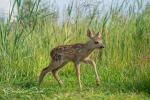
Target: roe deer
76, 53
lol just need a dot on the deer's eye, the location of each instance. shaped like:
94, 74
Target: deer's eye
96, 42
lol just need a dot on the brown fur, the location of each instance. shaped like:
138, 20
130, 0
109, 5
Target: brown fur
76, 53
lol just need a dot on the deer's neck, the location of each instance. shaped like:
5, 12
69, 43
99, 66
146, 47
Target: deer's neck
88, 48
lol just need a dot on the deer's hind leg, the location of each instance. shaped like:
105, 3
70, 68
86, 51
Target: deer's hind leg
44, 72
54, 66
55, 73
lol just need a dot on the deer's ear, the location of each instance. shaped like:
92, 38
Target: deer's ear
98, 34
89, 33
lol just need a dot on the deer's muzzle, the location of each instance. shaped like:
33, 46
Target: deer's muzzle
101, 47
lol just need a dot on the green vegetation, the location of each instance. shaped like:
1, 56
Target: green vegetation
123, 65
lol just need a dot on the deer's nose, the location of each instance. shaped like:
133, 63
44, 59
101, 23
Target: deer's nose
101, 47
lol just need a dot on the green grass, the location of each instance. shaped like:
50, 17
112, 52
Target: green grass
122, 66
55, 92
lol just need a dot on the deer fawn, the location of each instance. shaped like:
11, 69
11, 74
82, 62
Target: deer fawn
76, 53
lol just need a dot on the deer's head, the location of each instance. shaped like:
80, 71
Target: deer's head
95, 40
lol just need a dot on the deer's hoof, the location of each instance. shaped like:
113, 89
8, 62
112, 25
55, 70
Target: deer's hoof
61, 83
97, 83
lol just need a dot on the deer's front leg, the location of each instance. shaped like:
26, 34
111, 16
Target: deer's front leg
77, 66
91, 62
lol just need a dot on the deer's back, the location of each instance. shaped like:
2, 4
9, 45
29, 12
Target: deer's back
70, 52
